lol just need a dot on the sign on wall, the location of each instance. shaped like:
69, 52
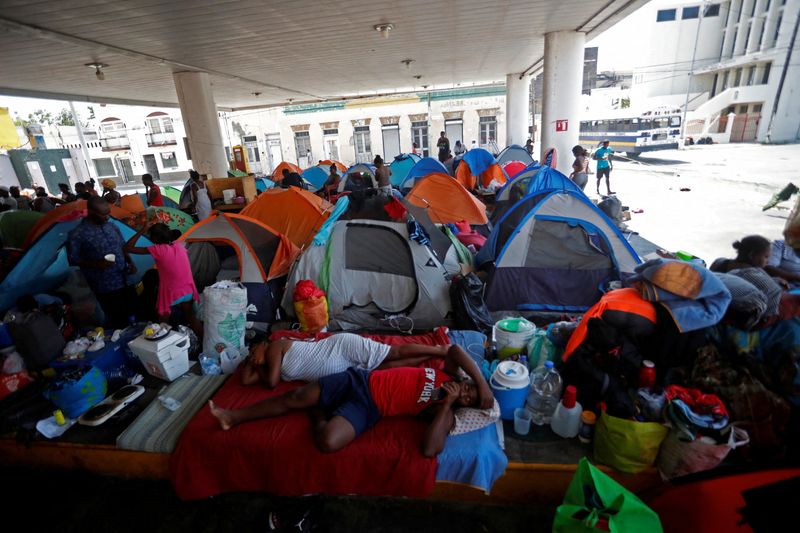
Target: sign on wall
562, 125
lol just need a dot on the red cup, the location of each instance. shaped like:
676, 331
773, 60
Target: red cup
647, 375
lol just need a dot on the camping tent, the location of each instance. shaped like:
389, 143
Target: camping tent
423, 167
526, 183
363, 168
447, 200
553, 250
44, 267
173, 193
173, 218
69, 211
326, 164
226, 246
133, 203
401, 166
277, 174
316, 176
479, 169
15, 226
514, 159
294, 212
376, 277
264, 184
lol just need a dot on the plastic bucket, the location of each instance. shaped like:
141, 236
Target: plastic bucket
511, 336
509, 384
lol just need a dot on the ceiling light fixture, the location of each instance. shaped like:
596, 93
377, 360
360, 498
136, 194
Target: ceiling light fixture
407, 63
98, 69
384, 29
417, 76
256, 94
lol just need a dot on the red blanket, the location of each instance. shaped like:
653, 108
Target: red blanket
278, 455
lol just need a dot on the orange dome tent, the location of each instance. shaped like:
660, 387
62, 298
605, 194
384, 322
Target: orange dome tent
328, 162
447, 200
132, 203
294, 212
69, 211
479, 169
277, 174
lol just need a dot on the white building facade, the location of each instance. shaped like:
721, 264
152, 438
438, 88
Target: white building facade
355, 131
736, 62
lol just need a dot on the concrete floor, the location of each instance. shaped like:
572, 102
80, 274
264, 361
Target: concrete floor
729, 184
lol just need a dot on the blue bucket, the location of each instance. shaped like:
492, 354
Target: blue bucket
510, 383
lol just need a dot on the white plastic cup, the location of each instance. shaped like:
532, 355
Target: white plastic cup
522, 421
110, 258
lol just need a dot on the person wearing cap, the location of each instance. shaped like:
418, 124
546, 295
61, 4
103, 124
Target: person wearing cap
603, 157
109, 191
6, 201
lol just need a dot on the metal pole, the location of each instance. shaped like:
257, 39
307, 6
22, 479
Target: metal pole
84, 149
691, 70
430, 126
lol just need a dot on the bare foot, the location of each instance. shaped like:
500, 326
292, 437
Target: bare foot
223, 415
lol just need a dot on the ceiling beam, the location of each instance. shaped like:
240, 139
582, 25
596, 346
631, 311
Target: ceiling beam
31, 30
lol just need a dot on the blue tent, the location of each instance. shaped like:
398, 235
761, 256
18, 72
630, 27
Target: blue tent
423, 167
478, 160
316, 176
401, 166
514, 152
553, 250
264, 184
363, 168
534, 180
44, 267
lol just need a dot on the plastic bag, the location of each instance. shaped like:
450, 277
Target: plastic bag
595, 502
224, 316
310, 306
627, 445
75, 392
680, 458
13, 362
540, 349
209, 365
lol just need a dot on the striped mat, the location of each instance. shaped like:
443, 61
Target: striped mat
157, 429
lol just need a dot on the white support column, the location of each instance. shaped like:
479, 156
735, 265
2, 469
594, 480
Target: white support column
517, 104
563, 81
201, 122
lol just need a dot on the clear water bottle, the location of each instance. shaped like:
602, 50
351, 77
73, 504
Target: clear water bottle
544, 394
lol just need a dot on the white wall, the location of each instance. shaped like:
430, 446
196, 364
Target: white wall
7, 175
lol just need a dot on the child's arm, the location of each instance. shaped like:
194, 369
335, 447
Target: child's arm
130, 246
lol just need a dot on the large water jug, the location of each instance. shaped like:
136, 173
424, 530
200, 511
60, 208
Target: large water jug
544, 393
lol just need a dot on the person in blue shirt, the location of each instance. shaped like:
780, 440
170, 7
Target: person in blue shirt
603, 157
90, 246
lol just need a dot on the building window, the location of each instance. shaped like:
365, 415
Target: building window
766, 5
733, 41
488, 127
419, 135
743, 109
363, 144
757, 108
331, 131
747, 37
302, 142
737, 77
160, 125
691, 12
777, 31
765, 76
712, 10
753, 8
724, 80
168, 160
751, 73
739, 11
104, 167
714, 85
665, 15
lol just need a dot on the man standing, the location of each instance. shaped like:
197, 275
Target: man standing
6, 201
96, 246
444, 147
604, 166
529, 146
23, 204
152, 191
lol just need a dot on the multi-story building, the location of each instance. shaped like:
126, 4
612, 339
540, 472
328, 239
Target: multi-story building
357, 130
736, 62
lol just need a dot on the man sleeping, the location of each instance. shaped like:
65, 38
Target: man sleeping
345, 404
289, 360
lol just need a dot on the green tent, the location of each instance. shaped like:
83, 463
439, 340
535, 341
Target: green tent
172, 193
15, 225
174, 218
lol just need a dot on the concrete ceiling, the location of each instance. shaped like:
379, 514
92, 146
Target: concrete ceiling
302, 50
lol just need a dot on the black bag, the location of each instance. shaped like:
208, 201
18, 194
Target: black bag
37, 338
466, 297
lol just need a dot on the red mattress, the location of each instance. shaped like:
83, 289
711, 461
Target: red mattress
278, 455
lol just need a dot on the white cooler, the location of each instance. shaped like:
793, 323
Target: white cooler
165, 358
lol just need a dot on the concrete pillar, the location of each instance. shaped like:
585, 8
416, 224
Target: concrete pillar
517, 104
201, 122
563, 81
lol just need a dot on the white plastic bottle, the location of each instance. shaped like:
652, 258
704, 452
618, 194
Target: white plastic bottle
544, 393
566, 420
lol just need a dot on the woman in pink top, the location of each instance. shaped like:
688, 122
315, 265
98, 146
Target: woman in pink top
175, 282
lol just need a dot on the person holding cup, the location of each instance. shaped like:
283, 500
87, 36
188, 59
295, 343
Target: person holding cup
96, 247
